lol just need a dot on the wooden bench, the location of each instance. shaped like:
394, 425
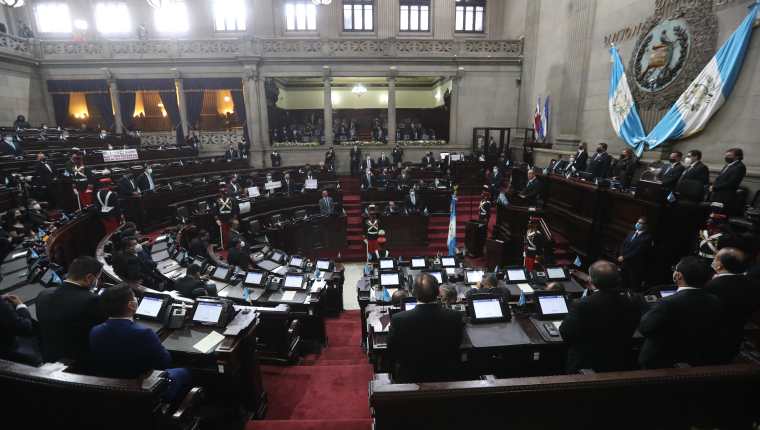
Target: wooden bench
709, 397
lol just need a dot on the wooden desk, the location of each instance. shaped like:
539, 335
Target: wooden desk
436, 200
404, 230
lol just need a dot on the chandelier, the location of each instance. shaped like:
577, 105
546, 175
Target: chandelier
321, 2
359, 90
12, 3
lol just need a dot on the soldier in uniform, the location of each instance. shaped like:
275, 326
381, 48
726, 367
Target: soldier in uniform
484, 210
371, 231
535, 242
107, 204
226, 209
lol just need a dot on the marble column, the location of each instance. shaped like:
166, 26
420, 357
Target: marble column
328, 111
455, 80
251, 97
116, 106
179, 87
392, 110
265, 142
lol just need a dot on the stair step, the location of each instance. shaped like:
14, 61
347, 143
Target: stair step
359, 424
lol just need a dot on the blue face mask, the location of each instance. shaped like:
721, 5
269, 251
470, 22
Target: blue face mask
639, 226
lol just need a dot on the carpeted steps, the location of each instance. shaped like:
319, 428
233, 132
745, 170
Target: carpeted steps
365, 424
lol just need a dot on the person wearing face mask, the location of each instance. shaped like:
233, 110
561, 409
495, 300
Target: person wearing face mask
670, 174
533, 189
145, 182
368, 163
11, 146
355, 160
684, 327
43, 175
633, 253
68, 312
724, 187
738, 294
413, 203
599, 164
695, 177
35, 216
581, 158
625, 167
495, 180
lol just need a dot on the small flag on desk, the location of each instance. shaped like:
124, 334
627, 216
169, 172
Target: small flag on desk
33, 254
577, 261
522, 300
585, 293
386, 295
55, 279
246, 294
671, 197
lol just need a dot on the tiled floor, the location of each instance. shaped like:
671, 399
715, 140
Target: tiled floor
353, 273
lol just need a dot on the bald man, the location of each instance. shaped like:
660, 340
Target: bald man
740, 297
424, 342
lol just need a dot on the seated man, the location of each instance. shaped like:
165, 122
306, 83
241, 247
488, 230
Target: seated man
199, 245
392, 209
533, 189
447, 294
599, 328
121, 348
237, 256
424, 342
488, 285
684, 327
740, 296
17, 332
192, 286
68, 312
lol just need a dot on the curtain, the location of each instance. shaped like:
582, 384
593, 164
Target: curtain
101, 102
127, 104
194, 102
169, 99
61, 106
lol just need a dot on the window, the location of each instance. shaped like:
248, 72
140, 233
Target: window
172, 18
415, 15
53, 18
300, 16
229, 15
470, 15
357, 15
112, 17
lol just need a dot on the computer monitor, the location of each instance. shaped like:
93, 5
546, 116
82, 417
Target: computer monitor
160, 255
556, 274
220, 273
408, 304
387, 264
472, 276
293, 281
389, 279
254, 278
208, 312
516, 275
268, 265
667, 293
448, 262
418, 263
323, 264
484, 307
150, 307
437, 275
552, 305
277, 256
295, 261
159, 246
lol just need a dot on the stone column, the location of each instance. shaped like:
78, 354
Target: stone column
392, 108
263, 116
116, 106
328, 117
251, 96
179, 87
454, 105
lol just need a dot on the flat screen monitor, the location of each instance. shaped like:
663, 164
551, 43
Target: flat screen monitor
207, 312
159, 246
293, 281
387, 264
220, 273
472, 277
296, 261
667, 293
323, 264
552, 305
149, 307
556, 273
516, 275
408, 305
244, 207
448, 262
487, 308
389, 279
268, 265
276, 256
437, 275
254, 278
418, 263
160, 255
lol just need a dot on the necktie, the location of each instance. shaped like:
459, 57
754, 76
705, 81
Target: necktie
150, 183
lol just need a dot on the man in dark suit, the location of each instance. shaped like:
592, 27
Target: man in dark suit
17, 331
237, 256
231, 153
68, 312
368, 163
599, 164
326, 204
368, 179
633, 255
288, 185
128, 186
724, 187
233, 188
495, 180
356, 160
43, 171
428, 160
488, 285
533, 189
599, 328
122, 348
383, 161
199, 245
424, 342
739, 296
11, 146
670, 174
684, 327
413, 204
581, 158
695, 177
625, 167
397, 155
192, 286
145, 181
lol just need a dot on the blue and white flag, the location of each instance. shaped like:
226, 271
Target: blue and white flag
545, 120
452, 238
708, 92
623, 114
577, 261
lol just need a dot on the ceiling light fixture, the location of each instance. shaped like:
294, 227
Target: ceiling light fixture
359, 90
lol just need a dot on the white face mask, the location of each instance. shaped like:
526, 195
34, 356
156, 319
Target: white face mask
687, 161
36, 206
138, 248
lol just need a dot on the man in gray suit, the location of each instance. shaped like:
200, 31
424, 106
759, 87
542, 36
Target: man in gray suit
326, 204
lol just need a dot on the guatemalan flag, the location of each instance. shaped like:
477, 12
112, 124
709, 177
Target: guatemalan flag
709, 90
545, 120
452, 238
538, 122
623, 113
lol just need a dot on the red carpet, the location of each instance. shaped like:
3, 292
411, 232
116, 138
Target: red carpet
327, 391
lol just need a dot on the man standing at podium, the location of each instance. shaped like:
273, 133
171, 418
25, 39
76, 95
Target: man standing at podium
670, 174
599, 165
